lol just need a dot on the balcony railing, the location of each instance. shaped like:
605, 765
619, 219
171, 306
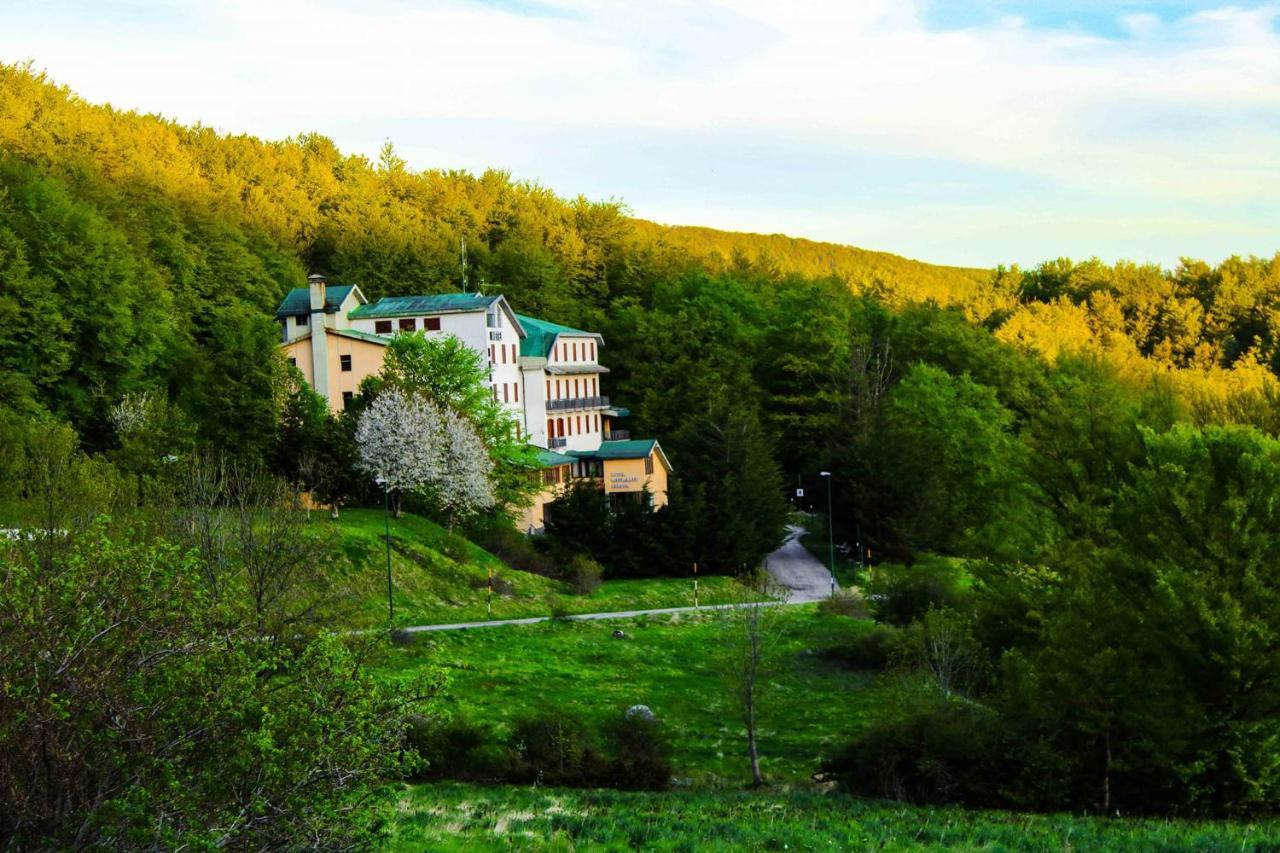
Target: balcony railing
618, 435
557, 442
575, 404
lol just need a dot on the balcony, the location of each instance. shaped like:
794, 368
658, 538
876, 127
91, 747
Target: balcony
577, 404
618, 435
553, 443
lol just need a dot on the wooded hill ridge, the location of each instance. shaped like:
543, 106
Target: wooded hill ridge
136, 251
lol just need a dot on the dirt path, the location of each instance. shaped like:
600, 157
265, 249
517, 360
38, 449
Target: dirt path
806, 578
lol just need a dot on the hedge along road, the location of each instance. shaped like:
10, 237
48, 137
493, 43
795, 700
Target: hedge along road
792, 566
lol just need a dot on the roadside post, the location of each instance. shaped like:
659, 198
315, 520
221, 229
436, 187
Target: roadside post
695, 584
831, 533
386, 520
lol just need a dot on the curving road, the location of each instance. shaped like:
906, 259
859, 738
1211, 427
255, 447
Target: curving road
793, 567
803, 575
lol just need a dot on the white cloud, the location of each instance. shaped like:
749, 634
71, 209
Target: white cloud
1179, 111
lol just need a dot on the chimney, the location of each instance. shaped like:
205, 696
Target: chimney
316, 282
319, 338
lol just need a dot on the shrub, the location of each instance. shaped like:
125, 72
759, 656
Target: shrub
873, 649
457, 749
557, 607
901, 594
515, 549
846, 602
584, 575
641, 754
931, 749
557, 749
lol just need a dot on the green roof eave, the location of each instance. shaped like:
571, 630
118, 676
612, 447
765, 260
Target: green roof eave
636, 448
540, 336
358, 335
551, 459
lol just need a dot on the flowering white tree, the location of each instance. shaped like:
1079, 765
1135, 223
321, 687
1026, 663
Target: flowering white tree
416, 446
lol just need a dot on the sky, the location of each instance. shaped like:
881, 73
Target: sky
970, 132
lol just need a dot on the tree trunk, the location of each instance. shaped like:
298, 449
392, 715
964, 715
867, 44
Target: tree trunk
757, 778
1106, 771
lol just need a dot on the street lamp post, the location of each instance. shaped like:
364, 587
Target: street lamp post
386, 520
831, 533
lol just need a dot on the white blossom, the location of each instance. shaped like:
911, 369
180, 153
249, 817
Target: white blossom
414, 445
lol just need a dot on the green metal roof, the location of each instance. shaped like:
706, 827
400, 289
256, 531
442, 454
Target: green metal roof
439, 303
382, 340
617, 412
550, 459
540, 336
298, 300
636, 448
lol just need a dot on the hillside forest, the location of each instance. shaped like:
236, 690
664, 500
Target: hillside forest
1099, 444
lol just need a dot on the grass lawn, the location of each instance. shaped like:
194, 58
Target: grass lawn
672, 664
442, 578
460, 817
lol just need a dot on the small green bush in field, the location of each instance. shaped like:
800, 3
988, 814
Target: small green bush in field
641, 754
555, 748
874, 649
899, 595
585, 574
846, 602
931, 749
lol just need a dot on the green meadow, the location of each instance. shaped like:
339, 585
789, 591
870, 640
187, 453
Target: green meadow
450, 817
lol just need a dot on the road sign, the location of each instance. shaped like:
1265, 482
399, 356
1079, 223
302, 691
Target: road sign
799, 493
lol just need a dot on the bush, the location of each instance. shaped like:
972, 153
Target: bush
874, 649
514, 548
641, 754
846, 602
557, 749
459, 750
584, 575
930, 750
899, 595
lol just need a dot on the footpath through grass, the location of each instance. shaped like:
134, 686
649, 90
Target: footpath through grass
450, 817
438, 577
673, 664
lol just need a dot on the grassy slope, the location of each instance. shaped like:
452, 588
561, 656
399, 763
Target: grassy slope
671, 664
461, 817
442, 579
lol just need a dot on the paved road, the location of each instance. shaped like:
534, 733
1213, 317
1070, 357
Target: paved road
581, 617
804, 576
792, 566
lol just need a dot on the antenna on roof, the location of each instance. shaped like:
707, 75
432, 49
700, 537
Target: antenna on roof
462, 241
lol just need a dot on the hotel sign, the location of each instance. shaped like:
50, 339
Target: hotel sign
623, 481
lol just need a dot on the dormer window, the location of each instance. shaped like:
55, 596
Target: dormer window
300, 320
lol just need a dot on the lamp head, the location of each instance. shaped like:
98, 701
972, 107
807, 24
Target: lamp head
824, 473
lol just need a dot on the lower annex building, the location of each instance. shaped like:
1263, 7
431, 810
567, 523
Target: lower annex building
545, 374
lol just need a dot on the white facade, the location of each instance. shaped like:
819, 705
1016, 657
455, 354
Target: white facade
556, 401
